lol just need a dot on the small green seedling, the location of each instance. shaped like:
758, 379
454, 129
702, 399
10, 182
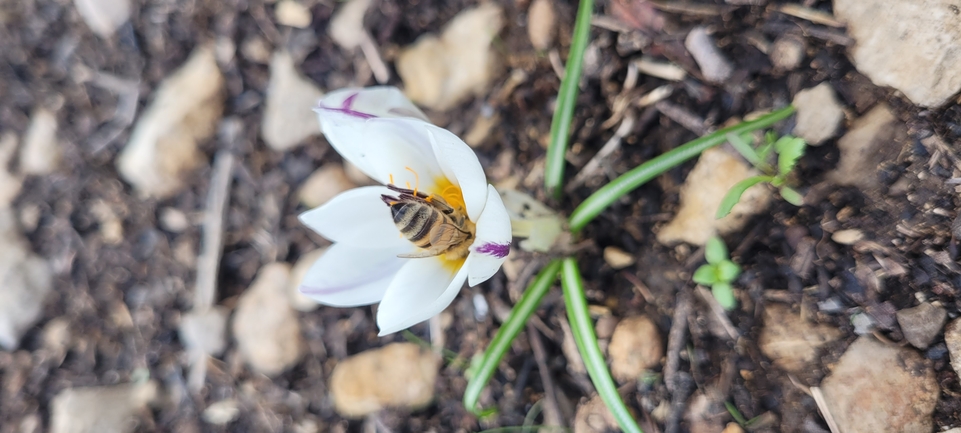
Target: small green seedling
788, 150
719, 272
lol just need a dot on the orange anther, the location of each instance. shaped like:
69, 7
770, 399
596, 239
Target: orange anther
416, 180
391, 177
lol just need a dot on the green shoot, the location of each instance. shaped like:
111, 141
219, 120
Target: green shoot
719, 272
788, 149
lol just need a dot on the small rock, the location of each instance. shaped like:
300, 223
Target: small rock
25, 281
921, 324
256, 49
714, 174
881, 389
103, 16
792, 342
40, 153
733, 427
324, 184
635, 347
173, 220
715, 67
265, 326
847, 236
593, 417
872, 139
222, 412
163, 145
441, 72
704, 412
906, 45
952, 339
298, 300
347, 25
787, 52
111, 225
205, 331
819, 114
540, 24
397, 375
292, 13
289, 118
10, 183
100, 409
618, 258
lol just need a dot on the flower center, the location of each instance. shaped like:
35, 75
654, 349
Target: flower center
449, 192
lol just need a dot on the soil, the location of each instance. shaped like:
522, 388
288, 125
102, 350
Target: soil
123, 301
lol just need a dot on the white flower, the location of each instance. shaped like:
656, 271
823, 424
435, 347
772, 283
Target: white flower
381, 132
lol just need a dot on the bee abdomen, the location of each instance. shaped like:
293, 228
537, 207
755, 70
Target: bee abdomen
414, 222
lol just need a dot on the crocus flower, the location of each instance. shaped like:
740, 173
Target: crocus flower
382, 133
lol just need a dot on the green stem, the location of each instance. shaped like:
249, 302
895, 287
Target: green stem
627, 182
529, 302
566, 99
583, 331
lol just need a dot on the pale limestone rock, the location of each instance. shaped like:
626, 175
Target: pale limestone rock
110, 409
847, 236
265, 325
292, 13
787, 52
163, 145
103, 17
714, 174
872, 138
593, 417
41, 152
635, 348
347, 25
819, 114
10, 183
541, 21
298, 300
398, 375
25, 281
324, 184
881, 388
439, 72
952, 339
205, 331
222, 412
618, 258
715, 67
790, 341
912, 46
922, 324
289, 118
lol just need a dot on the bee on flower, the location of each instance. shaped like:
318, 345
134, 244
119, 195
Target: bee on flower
412, 243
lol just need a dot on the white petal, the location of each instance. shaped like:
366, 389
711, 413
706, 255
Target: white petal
379, 101
460, 165
493, 241
420, 290
356, 217
346, 276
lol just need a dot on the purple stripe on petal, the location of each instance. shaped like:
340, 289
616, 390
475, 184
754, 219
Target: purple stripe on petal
345, 108
497, 250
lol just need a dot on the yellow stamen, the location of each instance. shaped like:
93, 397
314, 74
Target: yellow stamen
416, 180
391, 177
449, 192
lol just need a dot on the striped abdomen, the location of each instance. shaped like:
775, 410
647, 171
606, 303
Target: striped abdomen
415, 220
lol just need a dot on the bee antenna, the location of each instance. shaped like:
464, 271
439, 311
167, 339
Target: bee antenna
388, 199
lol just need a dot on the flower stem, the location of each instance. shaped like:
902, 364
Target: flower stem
627, 182
566, 98
529, 302
583, 331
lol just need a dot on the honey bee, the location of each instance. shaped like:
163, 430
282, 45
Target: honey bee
430, 223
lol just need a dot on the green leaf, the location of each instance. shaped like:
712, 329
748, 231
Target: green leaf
727, 271
744, 149
791, 196
724, 295
715, 251
734, 194
706, 275
789, 150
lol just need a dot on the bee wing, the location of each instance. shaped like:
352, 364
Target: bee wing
446, 235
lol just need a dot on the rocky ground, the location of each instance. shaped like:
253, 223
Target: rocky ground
156, 155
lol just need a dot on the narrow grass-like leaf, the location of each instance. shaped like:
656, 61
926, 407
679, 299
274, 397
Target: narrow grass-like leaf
627, 182
734, 194
507, 332
791, 196
566, 99
745, 149
583, 331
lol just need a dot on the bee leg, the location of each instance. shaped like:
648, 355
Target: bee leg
433, 252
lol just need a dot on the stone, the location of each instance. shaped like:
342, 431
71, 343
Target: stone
541, 21
222, 412
792, 342
324, 184
715, 67
872, 138
618, 258
787, 52
289, 118
880, 388
440, 72
914, 47
205, 331
347, 25
922, 324
256, 49
399, 375
292, 13
163, 144
714, 174
25, 281
819, 114
847, 236
10, 183
110, 409
103, 17
265, 326
40, 153
173, 220
952, 339
635, 348
593, 416
298, 300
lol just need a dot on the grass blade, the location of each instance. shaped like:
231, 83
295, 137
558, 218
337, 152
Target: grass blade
583, 331
734, 194
507, 332
566, 99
